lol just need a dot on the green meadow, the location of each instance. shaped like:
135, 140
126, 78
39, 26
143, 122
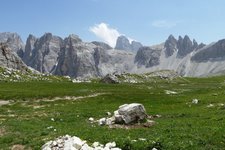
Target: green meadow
34, 116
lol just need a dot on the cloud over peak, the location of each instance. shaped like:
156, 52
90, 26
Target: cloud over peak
106, 33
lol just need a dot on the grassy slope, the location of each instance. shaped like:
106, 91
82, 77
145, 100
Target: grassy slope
182, 125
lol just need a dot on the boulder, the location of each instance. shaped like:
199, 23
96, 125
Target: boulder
110, 78
132, 112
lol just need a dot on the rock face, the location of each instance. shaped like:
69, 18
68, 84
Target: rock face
123, 43
102, 45
148, 57
213, 53
80, 59
135, 45
29, 48
180, 55
185, 46
9, 59
41, 54
129, 113
170, 46
76, 58
14, 42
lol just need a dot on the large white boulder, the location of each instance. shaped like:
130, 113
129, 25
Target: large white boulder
131, 113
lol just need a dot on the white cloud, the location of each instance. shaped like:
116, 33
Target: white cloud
106, 33
164, 24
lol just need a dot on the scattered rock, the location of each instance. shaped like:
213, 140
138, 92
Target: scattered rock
128, 116
210, 105
170, 92
195, 101
91, 119
74, 143
221, 104
142, 139
108, 113
102, 121
110, 78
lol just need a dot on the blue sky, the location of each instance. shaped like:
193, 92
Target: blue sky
148, 21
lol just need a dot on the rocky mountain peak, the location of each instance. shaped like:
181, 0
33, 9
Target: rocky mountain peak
148, 57
170, 45
102, 45
212, 53
74, 38
42, 53
9, 59
195, 44
171, 38
29, 48
136, 45
14, 42
185, 46
123, 43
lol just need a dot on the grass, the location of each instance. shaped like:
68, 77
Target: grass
183, 125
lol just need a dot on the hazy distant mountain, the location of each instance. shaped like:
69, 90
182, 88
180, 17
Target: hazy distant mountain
71, 56
123, 43
186, 57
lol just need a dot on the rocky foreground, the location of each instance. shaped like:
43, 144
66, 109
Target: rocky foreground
68, 142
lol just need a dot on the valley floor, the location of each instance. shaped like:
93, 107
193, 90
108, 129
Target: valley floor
41, 111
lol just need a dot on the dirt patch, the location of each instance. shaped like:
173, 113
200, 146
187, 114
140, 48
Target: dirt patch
70, 97
2, 131
148, 124
18, 147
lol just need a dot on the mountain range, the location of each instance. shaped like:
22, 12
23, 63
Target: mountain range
75, 58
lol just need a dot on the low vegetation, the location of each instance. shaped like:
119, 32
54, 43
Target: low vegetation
30, 121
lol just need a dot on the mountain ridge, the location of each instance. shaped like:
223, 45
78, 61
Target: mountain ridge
71, 56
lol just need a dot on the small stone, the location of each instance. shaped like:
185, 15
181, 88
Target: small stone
95, 144
86, 147
195, 101
54, 143
102, 121
141, 139
110, 121
210, 105
108, 113
110, 145
116, 148
50, 127
91, 119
